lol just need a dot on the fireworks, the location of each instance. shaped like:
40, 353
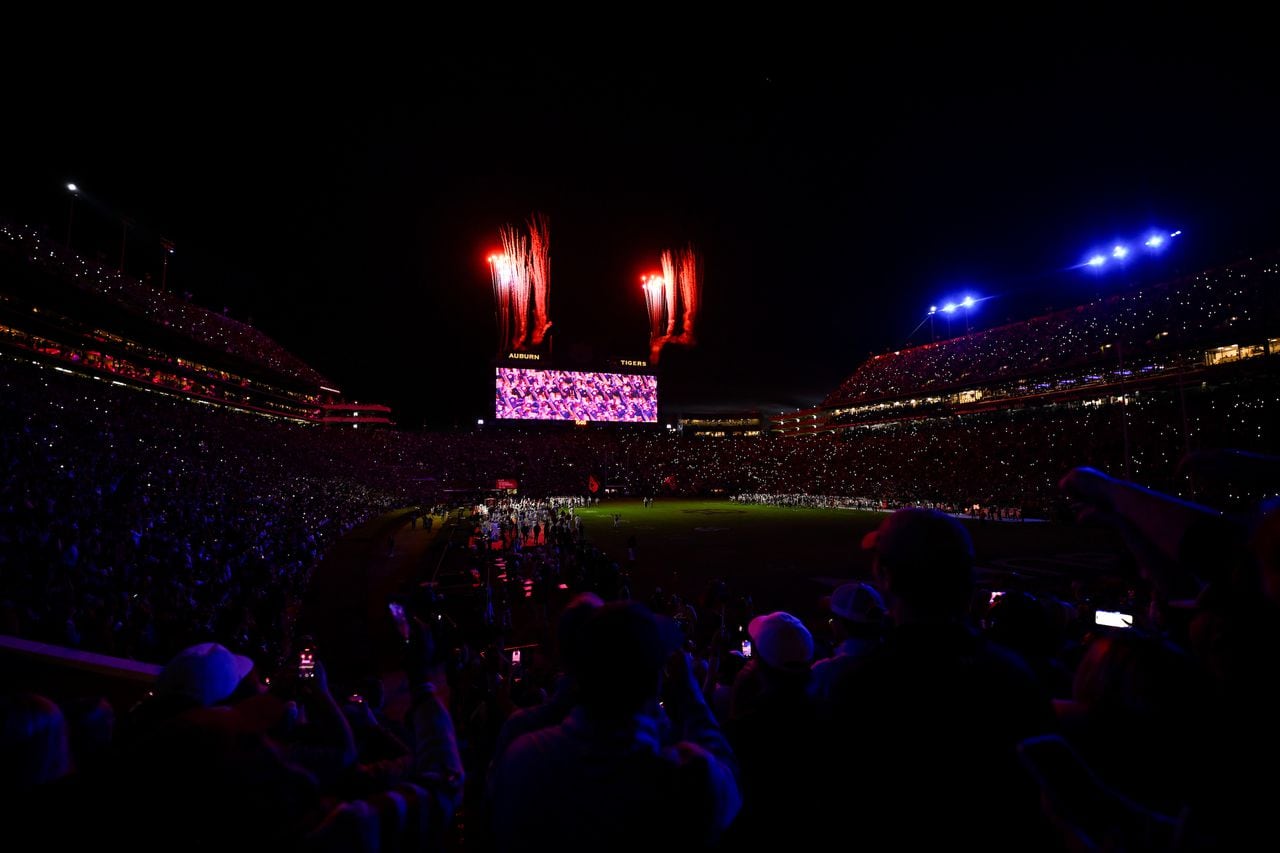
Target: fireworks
522, 291
540, 274
516, 247
669, 291
655, 301
500, 270
690, 279
679, 287
521, 282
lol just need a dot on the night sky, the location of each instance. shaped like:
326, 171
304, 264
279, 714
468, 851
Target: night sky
346, 204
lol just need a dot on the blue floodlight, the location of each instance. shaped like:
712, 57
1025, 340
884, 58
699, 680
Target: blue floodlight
1097, 261
1176, 233
1119, 252
967, 302
1155, 241
933, 309
949, 307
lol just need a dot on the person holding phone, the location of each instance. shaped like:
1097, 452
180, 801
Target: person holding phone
773, 726
604, 776
321, 740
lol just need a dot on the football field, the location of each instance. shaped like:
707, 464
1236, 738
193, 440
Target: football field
788, 558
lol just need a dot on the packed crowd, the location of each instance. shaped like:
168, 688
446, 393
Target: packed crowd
152, 527
801, 501
946, 715
208, 328
107, 490
135, 524
553, 710
183, 378
1229, 306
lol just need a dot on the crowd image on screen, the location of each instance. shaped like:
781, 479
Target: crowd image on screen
562, 395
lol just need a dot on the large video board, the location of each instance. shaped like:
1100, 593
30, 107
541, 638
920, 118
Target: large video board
568, 395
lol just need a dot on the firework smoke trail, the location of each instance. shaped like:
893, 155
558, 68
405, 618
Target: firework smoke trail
540, 274
499, 269
690, 273
654, 302
516, 248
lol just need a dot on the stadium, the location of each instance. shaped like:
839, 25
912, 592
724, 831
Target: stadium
1012, 585
177, 478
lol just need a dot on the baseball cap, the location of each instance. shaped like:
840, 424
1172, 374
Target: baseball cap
781, 640
205, 673
857, 602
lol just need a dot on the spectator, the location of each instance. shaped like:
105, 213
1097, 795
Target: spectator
602, 779
200, 676
857, 627
35, 749
942, 710
774, 734
573, 620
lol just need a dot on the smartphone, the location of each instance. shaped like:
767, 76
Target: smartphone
746, 648
307, 663
995, 596
1113, 619
515, 656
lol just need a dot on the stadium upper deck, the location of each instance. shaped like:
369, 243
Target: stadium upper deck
1142, 336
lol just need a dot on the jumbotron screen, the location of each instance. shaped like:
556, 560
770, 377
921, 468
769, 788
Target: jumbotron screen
568, 395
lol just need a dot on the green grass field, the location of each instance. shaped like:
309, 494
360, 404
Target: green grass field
789, 558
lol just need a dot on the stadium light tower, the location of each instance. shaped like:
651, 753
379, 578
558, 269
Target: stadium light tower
948, 309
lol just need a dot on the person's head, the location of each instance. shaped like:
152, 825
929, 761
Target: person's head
34, 748
620, 662
91, 724
1129, 677
924, 559
857, 610
569, 628
206, 674
781, 642
1019, 621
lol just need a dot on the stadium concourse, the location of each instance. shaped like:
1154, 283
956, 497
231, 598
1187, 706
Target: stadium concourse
342, 638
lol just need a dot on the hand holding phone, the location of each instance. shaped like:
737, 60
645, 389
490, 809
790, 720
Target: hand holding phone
746, 648
307, 663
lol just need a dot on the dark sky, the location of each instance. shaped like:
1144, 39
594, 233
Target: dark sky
346, 199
